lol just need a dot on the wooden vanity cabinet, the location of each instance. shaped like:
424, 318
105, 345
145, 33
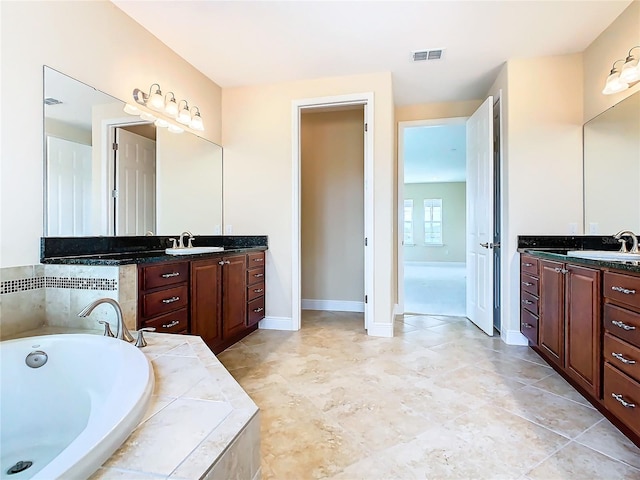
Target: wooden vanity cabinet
569, 321
206, 300
234, 295
622, 347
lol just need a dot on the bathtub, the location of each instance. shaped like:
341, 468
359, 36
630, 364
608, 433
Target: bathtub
68, 415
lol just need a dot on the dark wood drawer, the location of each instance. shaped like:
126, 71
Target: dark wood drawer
529, 284
255, 311
530, 302
622, 323
529, 325
163, 275
255, 259
255, 275
622, 397
174, 322
164, 301
255, 291
622, 288
529, 265
622, 355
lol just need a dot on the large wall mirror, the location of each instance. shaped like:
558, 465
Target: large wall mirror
612, 169
109, 173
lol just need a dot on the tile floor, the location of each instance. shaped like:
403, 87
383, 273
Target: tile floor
439, 400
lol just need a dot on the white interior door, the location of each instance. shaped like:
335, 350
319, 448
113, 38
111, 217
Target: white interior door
135, 197
68, 188
480, 217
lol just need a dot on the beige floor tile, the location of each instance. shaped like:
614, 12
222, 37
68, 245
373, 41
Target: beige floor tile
578, 462
554, 383
607, 439
556, 413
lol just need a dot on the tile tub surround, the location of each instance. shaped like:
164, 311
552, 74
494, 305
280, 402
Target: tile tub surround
200, 424
439, 400
52, 295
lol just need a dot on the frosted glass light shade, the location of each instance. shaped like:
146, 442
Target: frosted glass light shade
131, 109
614, 84
161, 123
196, 122
171, 108
175, 129
184, 116
156, 100
147, 117
630, 72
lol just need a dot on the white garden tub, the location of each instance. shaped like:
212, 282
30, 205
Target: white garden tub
70, 414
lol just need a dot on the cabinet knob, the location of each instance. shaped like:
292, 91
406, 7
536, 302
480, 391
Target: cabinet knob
227, 262
220, 262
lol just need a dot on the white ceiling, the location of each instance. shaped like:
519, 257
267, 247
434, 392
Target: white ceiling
435, 154
238, 42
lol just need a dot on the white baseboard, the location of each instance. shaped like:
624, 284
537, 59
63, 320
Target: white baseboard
333, 305
380, 330
514, 337
276, 323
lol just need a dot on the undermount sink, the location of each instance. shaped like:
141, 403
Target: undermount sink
193, 250
604, 255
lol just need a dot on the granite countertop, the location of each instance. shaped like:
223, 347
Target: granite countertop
139, 257
560, 255
197, 410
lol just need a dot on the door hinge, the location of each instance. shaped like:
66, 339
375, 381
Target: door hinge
115, 146
366, 241
366, 299
366, 127
114, 193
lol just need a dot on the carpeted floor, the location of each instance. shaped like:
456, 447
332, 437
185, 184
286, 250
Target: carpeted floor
435, 288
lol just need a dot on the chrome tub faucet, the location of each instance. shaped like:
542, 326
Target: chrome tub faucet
122, 332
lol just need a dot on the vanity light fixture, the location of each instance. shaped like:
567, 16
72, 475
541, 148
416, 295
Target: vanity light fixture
620, 80
165, 106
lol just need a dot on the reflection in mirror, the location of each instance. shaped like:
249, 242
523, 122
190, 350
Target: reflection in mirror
612, 169
108, 173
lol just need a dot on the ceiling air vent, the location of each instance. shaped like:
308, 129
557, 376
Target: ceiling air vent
426, 55
52, 101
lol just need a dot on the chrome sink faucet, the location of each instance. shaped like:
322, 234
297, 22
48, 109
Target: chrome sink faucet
189, 241
623, 248
122, 332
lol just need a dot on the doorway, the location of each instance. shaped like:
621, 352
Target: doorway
365, 100
432, 155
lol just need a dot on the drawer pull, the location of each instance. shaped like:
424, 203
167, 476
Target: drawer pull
257, 310
258, 259
258, 290
221, 262
171, 300
561, 270
527, 325
623, 325
527, 264
258, 275
626, 291
227, 262
620, 357
624, 403
527, 302
169, 275
527, 284
171, 324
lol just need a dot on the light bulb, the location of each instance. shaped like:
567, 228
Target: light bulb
184, 116
161, 123
131, 109
171, 108
614, 84
147, 117
175, 128
155, 100
630, 72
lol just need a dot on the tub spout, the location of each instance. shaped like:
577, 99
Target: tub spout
122, 332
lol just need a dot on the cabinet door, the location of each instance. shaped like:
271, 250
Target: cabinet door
206, 296
234, 296
582, 345
551, 307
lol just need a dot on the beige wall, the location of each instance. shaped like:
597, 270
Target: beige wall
257, 138
332, 148
59, 129
454, 206
93, 42
612, 44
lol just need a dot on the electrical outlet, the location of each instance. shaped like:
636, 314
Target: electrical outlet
217, 230
228, 229
593, 228
573, 228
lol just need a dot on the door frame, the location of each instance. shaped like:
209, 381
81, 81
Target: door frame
401, 128
297, 107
